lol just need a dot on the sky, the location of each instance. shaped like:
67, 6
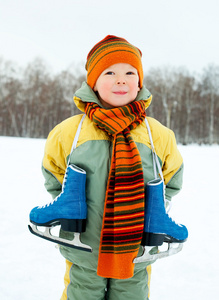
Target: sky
168, 32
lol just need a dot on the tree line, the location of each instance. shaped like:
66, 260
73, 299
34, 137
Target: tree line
34, 99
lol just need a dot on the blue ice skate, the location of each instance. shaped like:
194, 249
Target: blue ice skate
158, 226
69, 209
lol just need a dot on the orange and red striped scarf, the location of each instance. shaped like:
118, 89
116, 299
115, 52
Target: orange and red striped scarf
123, 219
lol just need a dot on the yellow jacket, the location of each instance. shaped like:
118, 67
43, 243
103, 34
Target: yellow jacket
93, 154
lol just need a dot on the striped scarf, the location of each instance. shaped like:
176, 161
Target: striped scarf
123, 219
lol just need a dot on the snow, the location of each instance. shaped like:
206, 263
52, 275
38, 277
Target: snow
32, 268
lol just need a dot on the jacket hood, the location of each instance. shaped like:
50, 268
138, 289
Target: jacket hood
86, 94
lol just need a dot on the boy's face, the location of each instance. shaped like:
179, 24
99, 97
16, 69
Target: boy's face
117, 85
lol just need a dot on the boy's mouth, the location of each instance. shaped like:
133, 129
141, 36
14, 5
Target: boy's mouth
120, 92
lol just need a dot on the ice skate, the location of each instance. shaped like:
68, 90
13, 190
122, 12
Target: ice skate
159, 228
69, 210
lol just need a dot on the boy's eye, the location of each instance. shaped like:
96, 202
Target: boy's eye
109, 73
112, 73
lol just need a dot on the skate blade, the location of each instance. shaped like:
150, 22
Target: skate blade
147, 257
75, 243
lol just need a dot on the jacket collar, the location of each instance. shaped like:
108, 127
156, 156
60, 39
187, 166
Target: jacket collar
86, 94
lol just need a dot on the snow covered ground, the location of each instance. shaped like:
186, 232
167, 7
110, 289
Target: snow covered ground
32, 268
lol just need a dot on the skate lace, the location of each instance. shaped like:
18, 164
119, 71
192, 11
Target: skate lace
50, 203
168, 205
174, 220
56, 198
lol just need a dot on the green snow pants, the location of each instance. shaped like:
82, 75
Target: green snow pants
85, 284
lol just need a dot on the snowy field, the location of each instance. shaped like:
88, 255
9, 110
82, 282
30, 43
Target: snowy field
32, 268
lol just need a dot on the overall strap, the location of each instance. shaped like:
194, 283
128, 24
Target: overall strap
156, 163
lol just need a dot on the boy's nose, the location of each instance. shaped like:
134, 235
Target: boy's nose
120, 81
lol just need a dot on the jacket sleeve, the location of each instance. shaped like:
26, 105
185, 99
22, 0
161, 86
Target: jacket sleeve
172, 167
57, 151
169, 156
54, 162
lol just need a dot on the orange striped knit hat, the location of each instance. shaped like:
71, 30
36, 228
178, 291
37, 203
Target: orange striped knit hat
109, 51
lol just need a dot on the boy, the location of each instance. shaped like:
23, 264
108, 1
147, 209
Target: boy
113, 148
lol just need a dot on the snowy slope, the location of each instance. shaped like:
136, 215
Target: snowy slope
32, 268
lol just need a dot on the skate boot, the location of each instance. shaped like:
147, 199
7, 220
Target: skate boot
159, 228
69, 209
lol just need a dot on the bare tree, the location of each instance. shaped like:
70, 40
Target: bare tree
10, 96
210, 91
162, 83
33, 100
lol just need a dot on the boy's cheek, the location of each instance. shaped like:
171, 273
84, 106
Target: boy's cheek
104, 88
134, 87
